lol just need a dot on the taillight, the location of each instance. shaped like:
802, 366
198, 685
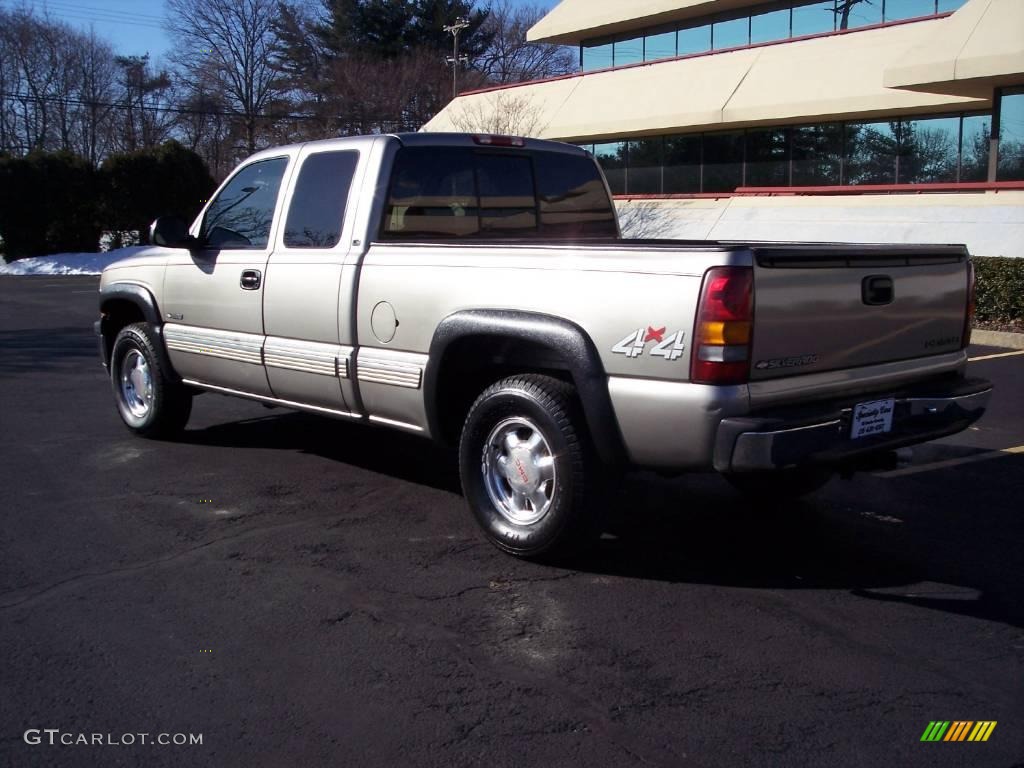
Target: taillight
724, 330
972, 297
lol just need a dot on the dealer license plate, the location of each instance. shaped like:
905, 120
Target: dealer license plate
874, 418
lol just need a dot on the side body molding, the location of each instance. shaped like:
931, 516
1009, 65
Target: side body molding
561, 336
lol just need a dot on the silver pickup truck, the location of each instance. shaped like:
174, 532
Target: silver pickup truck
476, 290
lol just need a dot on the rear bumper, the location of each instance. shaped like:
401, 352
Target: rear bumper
821, 434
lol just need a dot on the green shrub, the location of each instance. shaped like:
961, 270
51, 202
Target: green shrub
1000, 281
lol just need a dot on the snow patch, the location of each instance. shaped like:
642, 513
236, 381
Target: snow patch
68, 263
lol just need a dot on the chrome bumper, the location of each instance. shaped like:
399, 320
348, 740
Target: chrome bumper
786, 439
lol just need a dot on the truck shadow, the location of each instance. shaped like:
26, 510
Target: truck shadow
950, 541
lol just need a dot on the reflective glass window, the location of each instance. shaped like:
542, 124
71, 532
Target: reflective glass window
507, 202
858, 13
433, 194
871, 153
629, 51
766, 27
241, 214
928, 150
814, 18
597, 57
660, 46
572, 197
730, 34
317, 208
612, 158
682, 164
723, 161
767, 158
977, 130
947, 6
908, 9
645, 162
817, 155
694, 40
1011, 137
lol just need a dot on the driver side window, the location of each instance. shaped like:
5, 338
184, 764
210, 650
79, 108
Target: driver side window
241, 215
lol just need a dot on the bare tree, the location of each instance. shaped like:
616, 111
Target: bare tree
500, 113
510, 58
238, 39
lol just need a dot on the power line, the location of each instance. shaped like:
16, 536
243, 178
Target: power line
75, 14
76, 102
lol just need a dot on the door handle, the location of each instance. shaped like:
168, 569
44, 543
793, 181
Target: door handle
250, 280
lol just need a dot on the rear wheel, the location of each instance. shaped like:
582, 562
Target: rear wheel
149, 399
782, 484
527, 467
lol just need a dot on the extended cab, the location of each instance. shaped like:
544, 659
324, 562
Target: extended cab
475, 290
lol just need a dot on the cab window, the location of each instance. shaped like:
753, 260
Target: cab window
241, 215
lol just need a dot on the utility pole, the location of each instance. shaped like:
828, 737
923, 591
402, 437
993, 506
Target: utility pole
460, 24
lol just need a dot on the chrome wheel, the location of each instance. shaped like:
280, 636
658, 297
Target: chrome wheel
136, 384
519, 471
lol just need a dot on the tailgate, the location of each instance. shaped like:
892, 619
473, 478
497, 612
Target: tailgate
828, 307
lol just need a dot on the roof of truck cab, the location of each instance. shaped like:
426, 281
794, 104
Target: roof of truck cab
443, 139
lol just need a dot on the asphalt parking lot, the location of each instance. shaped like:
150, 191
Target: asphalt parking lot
304, 592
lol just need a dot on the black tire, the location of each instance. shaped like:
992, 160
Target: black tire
570, 518
780, 485
161, 405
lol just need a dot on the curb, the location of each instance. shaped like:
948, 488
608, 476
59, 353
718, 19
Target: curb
997, 339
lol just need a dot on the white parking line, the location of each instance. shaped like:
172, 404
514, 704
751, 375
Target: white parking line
952, 462
993, 357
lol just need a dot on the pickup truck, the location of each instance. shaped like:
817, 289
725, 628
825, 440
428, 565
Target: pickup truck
475, 290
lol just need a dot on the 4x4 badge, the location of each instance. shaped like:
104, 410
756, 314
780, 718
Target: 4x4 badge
669, 347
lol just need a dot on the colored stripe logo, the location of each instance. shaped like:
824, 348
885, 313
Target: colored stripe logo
958, 730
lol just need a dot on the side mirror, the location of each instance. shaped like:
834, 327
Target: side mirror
170, 232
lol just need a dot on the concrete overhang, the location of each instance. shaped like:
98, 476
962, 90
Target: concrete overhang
978, 48
572, 21
838, 77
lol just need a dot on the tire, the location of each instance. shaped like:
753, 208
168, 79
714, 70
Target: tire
150, 401
780, 485
527, 467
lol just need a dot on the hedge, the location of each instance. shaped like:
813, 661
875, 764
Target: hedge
1000, 281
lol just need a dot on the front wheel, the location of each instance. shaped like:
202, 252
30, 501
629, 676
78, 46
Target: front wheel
526, 467
151, 402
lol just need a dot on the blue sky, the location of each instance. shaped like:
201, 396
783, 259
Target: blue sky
134, 27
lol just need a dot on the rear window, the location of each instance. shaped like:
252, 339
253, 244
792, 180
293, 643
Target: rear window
444, 193
317, 210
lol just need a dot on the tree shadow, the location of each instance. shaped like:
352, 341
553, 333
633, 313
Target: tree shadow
35, 349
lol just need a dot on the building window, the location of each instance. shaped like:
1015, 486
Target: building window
851, 14
682, 164
817, 155
766, 27
814, 18
612, 157
630, 51
767, 158
796, 19
1011, 136
928, 150
895, 10
723, 161
646, 160
976, 131
661, 45
599, 56
694, 40
871, 153
734, 33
